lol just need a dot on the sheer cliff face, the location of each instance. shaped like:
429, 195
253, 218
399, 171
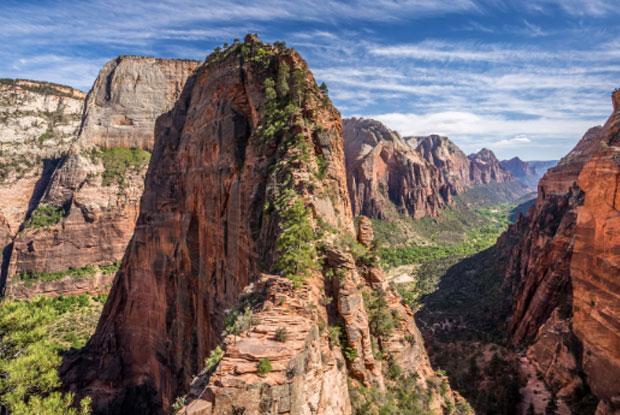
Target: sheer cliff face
386, 176
128, 95
98, 184
564, 269
447, 157
485, 168
247, 178
38, 122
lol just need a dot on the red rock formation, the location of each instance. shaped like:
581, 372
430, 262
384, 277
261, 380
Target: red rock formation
595, 266
447, 157
386, 176
484, 168
100, 205
566, 265
251, 141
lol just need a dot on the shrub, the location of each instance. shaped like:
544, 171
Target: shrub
33, 334
381, 320
350, 353
118, 161
44, 215
295, 245
82, 272
263, 366
281, 334
333, 335
214, 359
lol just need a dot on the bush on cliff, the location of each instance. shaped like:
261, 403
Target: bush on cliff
119, 161
44, 215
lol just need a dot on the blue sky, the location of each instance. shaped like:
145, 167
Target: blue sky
524, 78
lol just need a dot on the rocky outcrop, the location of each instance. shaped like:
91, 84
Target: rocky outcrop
484, 168
447, 157
127, 96
38, 123
564, 270
527, 172
386, 176
247, 178
94, 194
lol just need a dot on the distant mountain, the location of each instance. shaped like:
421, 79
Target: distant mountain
527, 172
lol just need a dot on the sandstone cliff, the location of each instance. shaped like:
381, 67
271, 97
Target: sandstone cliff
484, 168
564, 271
38, 122
387, 176
447, 157
86, 214
244, 241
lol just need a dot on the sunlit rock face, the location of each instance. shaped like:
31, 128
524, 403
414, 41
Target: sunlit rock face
565, 268
386, 176
98, 182
250, 157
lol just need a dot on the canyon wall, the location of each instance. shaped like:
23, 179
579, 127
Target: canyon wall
386, 176
564, 272
86, 213
390, 176
245, 241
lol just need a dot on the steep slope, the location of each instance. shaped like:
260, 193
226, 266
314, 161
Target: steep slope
86, 215
564, 272
247, 179
527, 172
385, 175
447, 157
484, 168
38, 122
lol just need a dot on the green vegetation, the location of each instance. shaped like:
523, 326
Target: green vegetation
430, 246
404, 396
380, 319
263, 366
33, 335
119, 161
44, 215
296, 243
213, 360
237, 322
281, 334
83, 272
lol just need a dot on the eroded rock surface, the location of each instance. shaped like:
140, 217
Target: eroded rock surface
97, 186
386, 176
247, 168
564, 270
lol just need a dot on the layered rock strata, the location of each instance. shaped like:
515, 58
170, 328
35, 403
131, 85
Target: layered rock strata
93, 195
386, 176
564, 270
247, 179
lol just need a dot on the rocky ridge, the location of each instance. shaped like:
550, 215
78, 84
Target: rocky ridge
386, 176
247, 177
86, 212
389, 175
564, 270
527, 172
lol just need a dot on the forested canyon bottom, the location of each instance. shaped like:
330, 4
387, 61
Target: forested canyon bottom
285, 262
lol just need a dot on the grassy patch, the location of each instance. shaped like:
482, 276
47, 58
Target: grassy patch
119, 161
33, 335
83, 272
44, 215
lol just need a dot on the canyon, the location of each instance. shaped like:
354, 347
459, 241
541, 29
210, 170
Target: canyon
247, 188
237, 223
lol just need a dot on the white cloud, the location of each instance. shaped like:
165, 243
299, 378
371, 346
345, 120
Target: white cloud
519, 140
